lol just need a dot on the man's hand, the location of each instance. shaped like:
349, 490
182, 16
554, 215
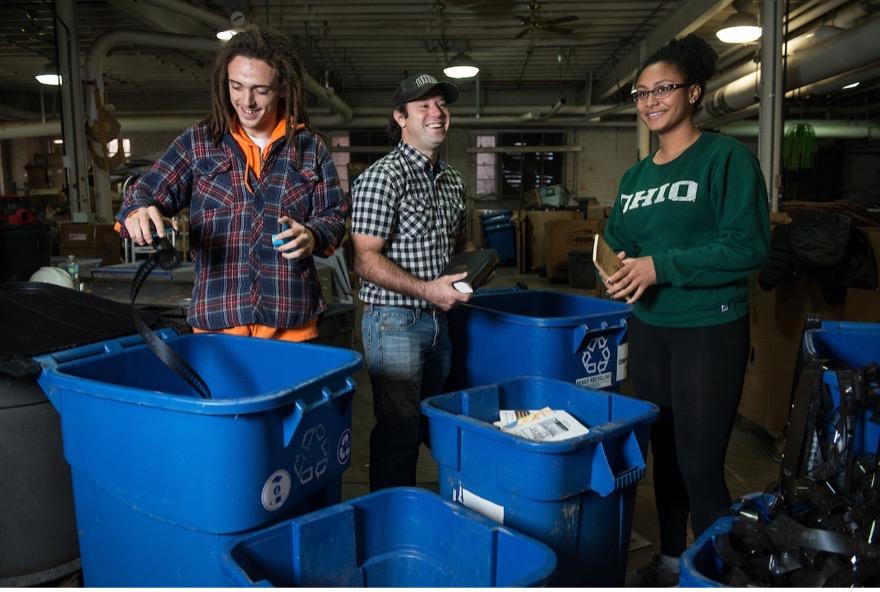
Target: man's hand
630, 282
442, 294
299, 242
138, 225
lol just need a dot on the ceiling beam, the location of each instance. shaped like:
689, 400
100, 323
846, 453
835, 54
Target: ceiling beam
688, 18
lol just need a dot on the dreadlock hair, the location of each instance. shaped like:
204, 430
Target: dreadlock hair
273, 48
693, 57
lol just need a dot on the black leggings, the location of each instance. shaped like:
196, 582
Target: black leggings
695, 375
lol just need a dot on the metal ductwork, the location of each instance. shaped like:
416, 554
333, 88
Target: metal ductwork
844, 51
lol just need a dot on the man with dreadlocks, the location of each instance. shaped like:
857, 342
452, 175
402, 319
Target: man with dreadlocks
251, 172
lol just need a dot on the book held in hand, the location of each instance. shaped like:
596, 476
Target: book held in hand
604, 257
478, 264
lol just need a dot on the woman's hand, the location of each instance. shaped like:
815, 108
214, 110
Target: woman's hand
631, 281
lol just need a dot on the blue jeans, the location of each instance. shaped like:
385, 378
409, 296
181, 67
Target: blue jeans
408, 356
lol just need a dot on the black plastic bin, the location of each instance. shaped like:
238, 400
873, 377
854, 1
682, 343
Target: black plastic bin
38, 540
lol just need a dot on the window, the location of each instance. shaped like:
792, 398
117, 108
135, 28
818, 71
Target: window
521, 172
113, 147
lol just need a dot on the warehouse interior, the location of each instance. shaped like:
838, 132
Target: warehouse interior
543, 132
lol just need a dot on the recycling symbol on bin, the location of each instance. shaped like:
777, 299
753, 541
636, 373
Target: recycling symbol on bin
596, 356
313, 439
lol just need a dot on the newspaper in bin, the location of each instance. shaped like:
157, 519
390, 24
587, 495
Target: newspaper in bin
543, 425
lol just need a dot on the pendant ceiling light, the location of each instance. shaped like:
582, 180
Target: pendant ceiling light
461, 66
741, 26
48, 75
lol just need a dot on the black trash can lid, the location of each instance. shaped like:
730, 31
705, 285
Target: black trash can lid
41, 318
38, 318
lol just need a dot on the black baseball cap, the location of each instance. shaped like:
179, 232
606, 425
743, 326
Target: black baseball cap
417, 86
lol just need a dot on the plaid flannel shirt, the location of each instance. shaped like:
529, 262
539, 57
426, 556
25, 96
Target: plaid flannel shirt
419, 214
240, 279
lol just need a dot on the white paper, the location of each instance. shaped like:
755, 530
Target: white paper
548, 426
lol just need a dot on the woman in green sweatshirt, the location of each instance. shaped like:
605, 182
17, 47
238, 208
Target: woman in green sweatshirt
690, 224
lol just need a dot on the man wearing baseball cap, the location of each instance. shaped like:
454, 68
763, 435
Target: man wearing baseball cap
408, 220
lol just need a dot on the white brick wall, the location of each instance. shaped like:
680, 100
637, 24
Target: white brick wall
606, 154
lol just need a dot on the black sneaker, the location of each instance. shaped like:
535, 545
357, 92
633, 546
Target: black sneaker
660, 572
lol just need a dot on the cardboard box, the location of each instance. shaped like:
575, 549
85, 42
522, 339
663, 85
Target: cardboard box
89, 236
536, 222
776, 320
564, 236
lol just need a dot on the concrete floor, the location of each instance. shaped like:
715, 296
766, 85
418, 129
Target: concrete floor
750, 462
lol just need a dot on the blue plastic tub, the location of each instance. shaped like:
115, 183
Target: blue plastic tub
501, 237
163, 479
700, 566
497, 219
856, 345
501, 334
577, 495
395, 537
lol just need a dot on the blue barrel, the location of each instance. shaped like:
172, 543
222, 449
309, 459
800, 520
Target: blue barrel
162, 479
500, 334
575, 495
856, 345
399, 537
700, 565
502, 238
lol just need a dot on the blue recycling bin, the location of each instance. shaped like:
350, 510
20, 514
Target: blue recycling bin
700, 566
500, 334
163, 479
501, 236
856, 345
575, 495
395, 537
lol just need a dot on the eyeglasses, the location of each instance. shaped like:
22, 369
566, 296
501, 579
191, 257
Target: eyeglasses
661, 92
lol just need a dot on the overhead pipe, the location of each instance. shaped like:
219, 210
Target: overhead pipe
844, 51
818, 88
217, 22
727, 75
160, 123
841, 129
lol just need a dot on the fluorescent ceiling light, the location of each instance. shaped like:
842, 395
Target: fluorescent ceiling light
851, 85
741, 26
57, 141
461, 66
227, 34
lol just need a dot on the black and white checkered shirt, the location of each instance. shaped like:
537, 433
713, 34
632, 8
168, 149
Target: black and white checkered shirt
417, 208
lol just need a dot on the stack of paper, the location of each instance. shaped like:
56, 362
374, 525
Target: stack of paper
542, 425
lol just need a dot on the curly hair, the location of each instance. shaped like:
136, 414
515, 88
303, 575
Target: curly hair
273, 48
693, 57
392, 128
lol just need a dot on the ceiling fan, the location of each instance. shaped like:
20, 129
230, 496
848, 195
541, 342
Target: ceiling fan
534, 22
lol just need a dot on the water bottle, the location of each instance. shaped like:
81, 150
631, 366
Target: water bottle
73, 270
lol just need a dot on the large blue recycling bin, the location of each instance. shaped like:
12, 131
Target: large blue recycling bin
856, 345
501, 237
576, 495
395, 537
163, 479
700, 565
500, 334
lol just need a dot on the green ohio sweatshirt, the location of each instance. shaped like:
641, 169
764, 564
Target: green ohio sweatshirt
703, 218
